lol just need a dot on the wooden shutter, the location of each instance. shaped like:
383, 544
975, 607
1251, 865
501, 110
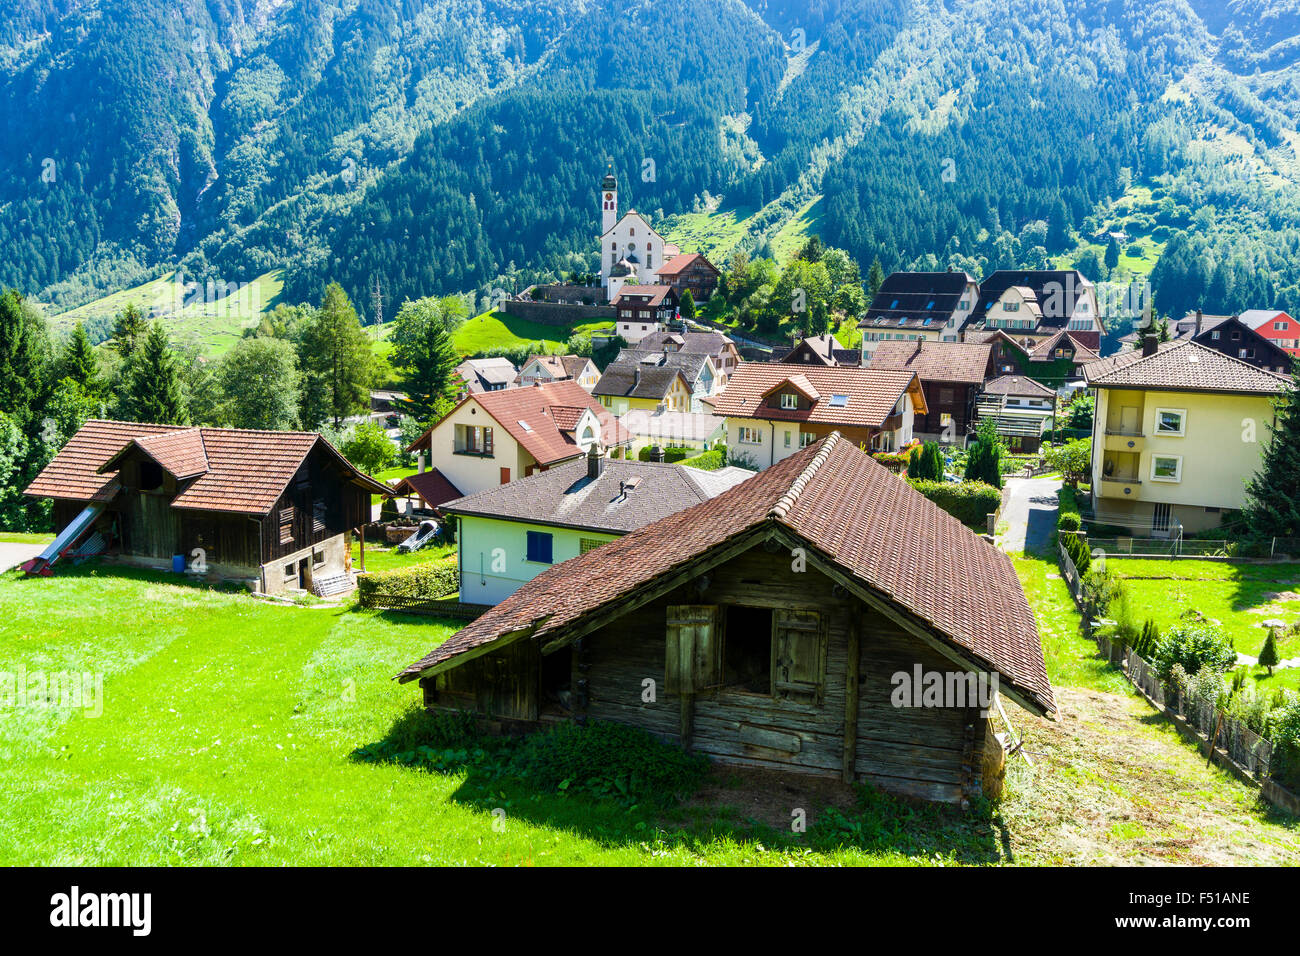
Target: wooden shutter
798, 655
691, 648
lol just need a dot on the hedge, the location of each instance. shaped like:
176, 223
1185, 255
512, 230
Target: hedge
432, 580
1069, 518
970, 502
709, 461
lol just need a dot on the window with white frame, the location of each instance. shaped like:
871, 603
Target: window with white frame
789, 400
749, 436
1166, 467
806, 439
1171, 422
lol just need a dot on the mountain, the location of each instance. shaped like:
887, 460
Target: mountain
432, 146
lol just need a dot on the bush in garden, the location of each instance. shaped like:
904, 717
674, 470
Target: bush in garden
432, 580
1194, 646
1284, 732
1268, 656
967, 501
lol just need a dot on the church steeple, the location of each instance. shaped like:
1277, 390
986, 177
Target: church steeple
608, 201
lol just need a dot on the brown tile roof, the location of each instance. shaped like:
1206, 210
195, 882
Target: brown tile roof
656, 293
1183, 365
560, 366
871, 393
678, 264
965, 362
547, 440
630, 379
566, 417
852, 513
246, 470
432, 485
1042, 352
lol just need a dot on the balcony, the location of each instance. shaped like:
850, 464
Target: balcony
1118, 441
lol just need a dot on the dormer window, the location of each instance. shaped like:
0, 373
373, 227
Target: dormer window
789, 400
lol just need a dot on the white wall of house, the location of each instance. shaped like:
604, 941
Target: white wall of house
471, 472
493, 555
631, 238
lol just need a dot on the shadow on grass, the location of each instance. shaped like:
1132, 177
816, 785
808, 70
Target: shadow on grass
99, 568
699, 810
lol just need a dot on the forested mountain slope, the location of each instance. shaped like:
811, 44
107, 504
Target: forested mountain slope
430, 146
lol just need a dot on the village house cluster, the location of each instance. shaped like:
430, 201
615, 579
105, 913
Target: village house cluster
769, 600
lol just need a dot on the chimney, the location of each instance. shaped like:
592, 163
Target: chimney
595, 461
636, 377
419, 461
1198, 322
1150, 343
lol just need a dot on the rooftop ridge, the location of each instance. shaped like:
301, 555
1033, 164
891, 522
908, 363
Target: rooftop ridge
787, 501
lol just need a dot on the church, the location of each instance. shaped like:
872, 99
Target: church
631, 252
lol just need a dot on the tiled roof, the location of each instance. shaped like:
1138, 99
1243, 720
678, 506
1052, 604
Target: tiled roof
709, 343
678, 264
560, 366
1018, 386
966, 362
1182, 365
179, 451
634, 380
545, 439
480, 374
870, 394
1048, 290
852, 513
433, 486
246, 470
1042, 352
655, 293
825, 349
691, 363
908, 299
564, 496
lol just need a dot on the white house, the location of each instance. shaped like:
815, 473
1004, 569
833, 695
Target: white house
510, 534
492, 438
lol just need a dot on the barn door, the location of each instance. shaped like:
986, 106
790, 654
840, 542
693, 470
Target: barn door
691, 648
798, 655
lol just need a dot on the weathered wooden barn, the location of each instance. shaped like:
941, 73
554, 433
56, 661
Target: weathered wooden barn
789, 623
272, 508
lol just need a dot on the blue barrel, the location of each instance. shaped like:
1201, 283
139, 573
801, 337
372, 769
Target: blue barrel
178, 563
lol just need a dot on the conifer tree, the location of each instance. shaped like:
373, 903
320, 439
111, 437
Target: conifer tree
424, 353
1273, 494
20, 360
1268, 656
129, 329
337, 362
79, 361
153, 382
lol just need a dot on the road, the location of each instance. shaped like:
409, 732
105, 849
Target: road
12, 555
1029, 513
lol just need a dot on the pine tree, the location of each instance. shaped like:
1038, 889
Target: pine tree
1273, 494
1268, 656
79, 361
20, 365
129, 327
153, 389
337, 363
425, 354
687, 304
875, 277
984, 455
1112, 254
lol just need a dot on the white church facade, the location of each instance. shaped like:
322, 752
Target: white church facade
631, 252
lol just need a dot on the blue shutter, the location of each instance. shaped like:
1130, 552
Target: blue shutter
539, 546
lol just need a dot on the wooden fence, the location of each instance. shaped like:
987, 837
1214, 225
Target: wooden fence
1248, 752
422, 605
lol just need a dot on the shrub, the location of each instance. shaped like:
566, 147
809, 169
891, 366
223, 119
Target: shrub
1069, 521
1076, 546
674, 455
1284, 732
431, 580
1147, 640
970, 502
1193, 645
608, 760
709, 461
1069, 518
1073, 460
1268, 656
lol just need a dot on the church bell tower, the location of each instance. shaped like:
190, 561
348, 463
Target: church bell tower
608, 201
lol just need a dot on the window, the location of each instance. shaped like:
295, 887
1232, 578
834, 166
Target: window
151, 475
944, 419
1246, 353
946, 396
1215, 334
1166, 467
318, 516
1236, 336
789, 400
588, 544
1010, 306
806, 439
747, 650
1171, 421
286, 525
1279, 326
788, 433
839, 401
473, 440
750, 436
540, 546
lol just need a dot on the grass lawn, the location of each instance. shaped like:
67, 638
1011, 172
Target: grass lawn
1238, 596
25, 537
386, 558
498, 330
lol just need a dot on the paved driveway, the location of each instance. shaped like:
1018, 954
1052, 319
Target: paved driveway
1029, 513
12, 555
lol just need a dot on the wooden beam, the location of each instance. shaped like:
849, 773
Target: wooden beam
505, 639
361, 537
851, 694
886, 607
657, 588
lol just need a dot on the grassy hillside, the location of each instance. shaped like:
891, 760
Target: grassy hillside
498, 330
214, 319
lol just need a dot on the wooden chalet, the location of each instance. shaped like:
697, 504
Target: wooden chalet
772, 627
272, 508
